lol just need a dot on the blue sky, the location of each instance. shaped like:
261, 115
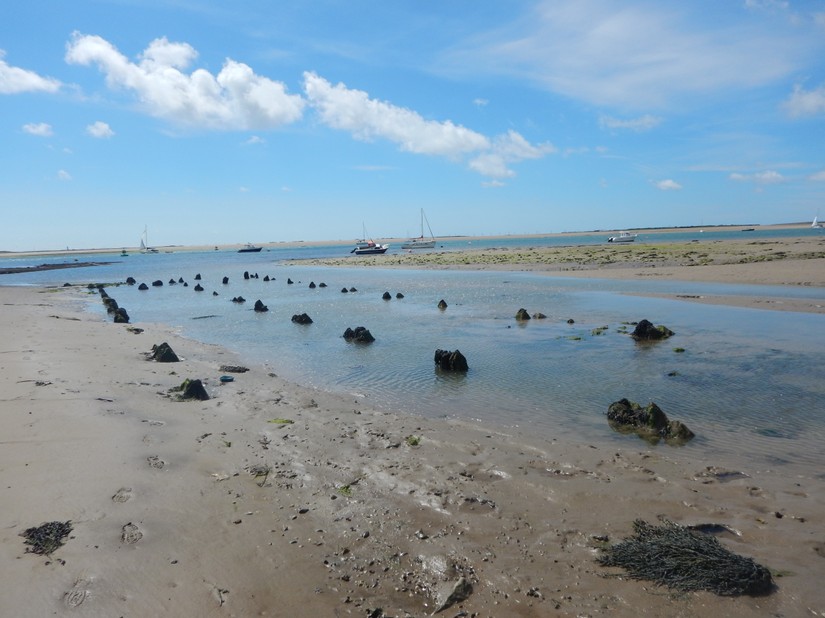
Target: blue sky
223, 122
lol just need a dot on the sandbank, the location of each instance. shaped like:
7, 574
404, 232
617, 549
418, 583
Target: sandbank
792, 262
362, 512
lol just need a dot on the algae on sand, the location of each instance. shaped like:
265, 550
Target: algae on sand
686, 560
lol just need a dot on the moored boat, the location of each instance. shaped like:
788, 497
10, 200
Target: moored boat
421, 242
249, 248
623, 237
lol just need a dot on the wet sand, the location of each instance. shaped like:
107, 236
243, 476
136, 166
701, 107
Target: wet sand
217, 508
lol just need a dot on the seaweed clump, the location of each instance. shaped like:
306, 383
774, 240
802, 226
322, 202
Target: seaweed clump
46, 538
686, 560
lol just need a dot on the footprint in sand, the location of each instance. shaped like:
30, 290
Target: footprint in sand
156, 462
130, 534
122, 495
76, 596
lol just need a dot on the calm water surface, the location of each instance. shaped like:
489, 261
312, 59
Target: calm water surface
750, 383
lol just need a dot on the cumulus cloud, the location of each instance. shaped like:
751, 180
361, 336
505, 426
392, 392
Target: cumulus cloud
353, 110
235, 98
64, 175
667, 185
100, 129
632, 54
643, 123
806, 102
40, 129
818, 176
255, 140
14, 80
768, 177
366, 119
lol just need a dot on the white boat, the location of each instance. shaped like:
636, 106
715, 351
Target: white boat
367, 246
144, 240
817, 222
623, 237
421, 242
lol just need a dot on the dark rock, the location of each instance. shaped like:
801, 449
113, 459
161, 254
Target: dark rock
353, 290
143, 286
121, 317
198, 288
450, 361
198, 277
110, 304
130, 281
239, 299
399, 295
359, 335
289, 281
215, 294
571, 321
158, 283
650, 422
193, 389
539, 316
522, 314
172, 282
442, 304
646, 331
344, 290
246, 274
266, 277
180, 279
311, 285
386, 296
164, 353
185, 284
260, 307
233, 369
302, 318
322, 285
225, 280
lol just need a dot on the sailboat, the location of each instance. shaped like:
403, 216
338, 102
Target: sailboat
817, 222
367, 246
144, 239
421, 242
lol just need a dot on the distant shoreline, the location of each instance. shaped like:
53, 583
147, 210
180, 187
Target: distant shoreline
345, 241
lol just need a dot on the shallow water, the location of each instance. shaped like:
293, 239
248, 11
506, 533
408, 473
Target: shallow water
749, 382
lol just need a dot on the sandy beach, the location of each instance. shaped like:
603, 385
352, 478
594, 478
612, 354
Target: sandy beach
271, 499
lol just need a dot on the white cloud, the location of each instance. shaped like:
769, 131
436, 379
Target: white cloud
493, 184
643, 123
255, 140
818, 176
667, 185
235, 98
768, 177
100, 130
481, 102
366, 119
635, 54
40, 129
352, 110
64, 175
14, 80
806, 103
